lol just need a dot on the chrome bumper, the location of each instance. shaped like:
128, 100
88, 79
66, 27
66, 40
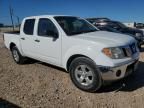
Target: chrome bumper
119, 72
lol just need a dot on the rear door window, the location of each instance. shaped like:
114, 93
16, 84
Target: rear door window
29, 26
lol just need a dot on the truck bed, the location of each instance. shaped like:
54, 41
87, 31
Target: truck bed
13, 32
11, 37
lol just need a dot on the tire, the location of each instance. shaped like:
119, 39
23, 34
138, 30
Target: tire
18, 58
85, 75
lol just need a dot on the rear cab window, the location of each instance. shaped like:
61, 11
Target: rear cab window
29, 26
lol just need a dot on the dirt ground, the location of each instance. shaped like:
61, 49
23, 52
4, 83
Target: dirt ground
39, 85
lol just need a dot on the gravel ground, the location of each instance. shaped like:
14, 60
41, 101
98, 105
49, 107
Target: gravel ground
39, 85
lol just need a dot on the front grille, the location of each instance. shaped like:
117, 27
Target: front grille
133, 48
130, 50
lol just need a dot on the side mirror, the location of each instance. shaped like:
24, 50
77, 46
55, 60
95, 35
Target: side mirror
53, 34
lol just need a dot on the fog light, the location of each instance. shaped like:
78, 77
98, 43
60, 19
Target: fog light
118, 73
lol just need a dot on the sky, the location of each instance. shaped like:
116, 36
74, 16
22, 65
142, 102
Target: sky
121, 10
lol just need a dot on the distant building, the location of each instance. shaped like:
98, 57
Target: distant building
1, 25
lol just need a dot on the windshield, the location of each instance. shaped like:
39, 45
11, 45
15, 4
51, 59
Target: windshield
121, 25
116, 25
74, 25
108, 28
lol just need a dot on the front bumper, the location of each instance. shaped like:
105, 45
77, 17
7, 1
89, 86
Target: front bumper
118, 72
141, 41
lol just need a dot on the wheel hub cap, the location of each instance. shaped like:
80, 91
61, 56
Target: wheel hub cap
15, 55
84, 75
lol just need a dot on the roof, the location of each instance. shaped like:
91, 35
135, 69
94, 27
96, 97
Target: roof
97, 18
48, 16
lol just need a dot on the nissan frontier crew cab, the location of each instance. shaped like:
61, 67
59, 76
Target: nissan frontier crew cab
92, 57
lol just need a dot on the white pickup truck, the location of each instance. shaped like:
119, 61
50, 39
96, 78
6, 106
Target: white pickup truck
89, 55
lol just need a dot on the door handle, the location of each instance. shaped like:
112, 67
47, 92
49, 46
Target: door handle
22, 38
37, 40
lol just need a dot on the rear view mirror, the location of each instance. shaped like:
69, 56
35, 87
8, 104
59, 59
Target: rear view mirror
52, 34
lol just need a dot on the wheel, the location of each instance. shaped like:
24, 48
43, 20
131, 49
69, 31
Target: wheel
18, 58
85, 75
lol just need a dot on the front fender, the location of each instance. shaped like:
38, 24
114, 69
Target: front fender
92, 52
78, 50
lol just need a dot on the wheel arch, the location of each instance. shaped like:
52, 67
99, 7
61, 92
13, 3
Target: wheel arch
71, 58
17, 44
12, 44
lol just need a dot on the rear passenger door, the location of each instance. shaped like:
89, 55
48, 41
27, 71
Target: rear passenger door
48, 46
27, 38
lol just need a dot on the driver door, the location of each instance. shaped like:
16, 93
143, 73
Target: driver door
48, 42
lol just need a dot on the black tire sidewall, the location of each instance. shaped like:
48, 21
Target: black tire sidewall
21, 59
97, 82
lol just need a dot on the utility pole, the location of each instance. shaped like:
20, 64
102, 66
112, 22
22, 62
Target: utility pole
11, 13
18, 22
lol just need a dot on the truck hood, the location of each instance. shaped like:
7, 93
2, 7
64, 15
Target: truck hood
107, 38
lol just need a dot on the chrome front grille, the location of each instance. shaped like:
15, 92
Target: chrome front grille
133, 48
130, 50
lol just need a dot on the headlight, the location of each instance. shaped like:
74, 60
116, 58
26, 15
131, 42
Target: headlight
114, 53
